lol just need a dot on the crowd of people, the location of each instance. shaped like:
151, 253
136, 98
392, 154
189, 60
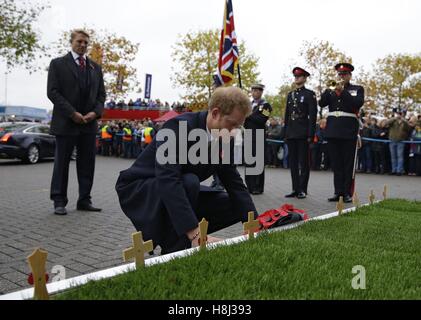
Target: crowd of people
125, 139
145, 105
385, 149
392, 156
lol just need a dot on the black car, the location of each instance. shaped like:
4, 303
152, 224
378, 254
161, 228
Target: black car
29, 142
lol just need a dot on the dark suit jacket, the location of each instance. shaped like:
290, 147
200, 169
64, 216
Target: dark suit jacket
153, 197
64, 91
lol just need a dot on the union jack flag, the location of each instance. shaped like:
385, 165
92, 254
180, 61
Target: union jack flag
228, 50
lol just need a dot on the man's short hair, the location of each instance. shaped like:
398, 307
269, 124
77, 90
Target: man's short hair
75, 32
228, 98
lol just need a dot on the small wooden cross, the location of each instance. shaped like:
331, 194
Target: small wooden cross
138, 250
356, 200
203, 238
251, 226
37, 261
340, 205
372, 197
385, 192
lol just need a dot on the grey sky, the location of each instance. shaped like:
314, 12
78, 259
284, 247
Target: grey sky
274, 31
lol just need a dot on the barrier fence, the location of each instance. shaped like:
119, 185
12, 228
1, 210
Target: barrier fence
364, 139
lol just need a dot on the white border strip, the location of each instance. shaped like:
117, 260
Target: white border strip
56, 287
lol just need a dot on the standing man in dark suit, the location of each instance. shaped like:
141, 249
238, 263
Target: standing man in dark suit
257, 121
344, 101
300, 126
76, 88
165, 200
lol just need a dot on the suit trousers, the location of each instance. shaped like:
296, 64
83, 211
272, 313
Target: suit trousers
85, 165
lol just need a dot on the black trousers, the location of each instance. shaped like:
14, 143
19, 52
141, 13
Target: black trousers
342, 156
85, 165
299, 162
106, 147
256, 183
214, 206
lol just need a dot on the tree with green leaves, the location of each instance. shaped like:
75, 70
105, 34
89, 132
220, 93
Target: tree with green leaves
320, 59
279, 100
114, 54
19, 41
195, 56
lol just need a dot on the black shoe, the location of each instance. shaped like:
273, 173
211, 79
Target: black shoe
334, 199
60, 211
347, 199
292, 195
87, 207
301, 195
218, 187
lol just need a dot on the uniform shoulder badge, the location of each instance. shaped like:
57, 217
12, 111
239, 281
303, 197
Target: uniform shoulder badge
266, 110
266, 113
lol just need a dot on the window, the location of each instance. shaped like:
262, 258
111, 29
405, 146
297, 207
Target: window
11, 127
45, 130
34, 130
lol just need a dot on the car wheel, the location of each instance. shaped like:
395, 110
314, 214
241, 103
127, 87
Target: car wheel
32, 154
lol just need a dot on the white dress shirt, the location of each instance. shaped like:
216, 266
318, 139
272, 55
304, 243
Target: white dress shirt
76, 57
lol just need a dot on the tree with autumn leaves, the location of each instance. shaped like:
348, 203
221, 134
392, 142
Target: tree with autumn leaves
195, 57
393, 83
115, 54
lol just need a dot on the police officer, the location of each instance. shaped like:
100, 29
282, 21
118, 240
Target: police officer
344, 101
257, 121
300, 127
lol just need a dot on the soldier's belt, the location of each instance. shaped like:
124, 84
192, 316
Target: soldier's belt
338, 114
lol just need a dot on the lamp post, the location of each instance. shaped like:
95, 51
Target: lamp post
5, 88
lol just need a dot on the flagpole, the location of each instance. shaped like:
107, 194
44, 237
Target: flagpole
239, 76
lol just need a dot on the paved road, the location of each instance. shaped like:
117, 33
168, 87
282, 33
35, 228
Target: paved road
86, 242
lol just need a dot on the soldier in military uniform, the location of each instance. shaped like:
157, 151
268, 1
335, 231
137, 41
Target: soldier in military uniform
300, 127
257, 121
344, 101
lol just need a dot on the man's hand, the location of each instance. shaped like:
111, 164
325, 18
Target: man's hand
195, 243
78, 118
91, 116
194, 237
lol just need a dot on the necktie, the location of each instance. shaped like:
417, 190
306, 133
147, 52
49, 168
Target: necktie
82, 62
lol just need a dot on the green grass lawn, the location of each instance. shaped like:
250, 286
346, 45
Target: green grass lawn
314, 261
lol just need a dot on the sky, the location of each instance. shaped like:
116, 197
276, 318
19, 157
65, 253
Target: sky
273, 30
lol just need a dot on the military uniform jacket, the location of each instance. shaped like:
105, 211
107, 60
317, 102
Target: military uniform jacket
350, 100
301, 114
152, 194
260, 115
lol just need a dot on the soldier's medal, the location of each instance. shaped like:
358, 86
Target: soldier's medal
353, 93
302, 99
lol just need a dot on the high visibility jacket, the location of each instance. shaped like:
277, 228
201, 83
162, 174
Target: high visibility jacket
148, 135
105, 135
128, 136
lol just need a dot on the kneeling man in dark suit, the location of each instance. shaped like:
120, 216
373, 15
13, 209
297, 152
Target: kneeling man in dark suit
165, 200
